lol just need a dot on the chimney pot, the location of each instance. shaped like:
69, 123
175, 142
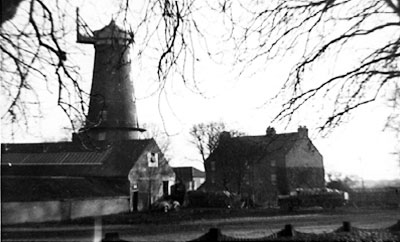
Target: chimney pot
302, 131
271, 131
224, 135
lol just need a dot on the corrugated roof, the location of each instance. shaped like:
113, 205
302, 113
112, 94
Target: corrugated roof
72, 158
53, 147
59, 158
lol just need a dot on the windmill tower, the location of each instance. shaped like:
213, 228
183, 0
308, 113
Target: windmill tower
112, 109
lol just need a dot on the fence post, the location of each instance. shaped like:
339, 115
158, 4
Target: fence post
288, 231
395, 227
215, 234
97, 233
346, 226
112, 237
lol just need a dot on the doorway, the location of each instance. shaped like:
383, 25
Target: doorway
165, 188
134, 200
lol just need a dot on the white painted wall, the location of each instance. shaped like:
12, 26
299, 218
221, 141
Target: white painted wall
23, 212
97, 207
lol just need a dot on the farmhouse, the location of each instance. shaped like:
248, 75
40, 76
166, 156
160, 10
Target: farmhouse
262, 167
106, 168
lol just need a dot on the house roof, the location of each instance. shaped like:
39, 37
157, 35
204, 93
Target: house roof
256, 147
71, 158
24, 189
270, 143
187, 173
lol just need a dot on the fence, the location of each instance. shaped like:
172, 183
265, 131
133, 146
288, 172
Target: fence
344, 233
382, 197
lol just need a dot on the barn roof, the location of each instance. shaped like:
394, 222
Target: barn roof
57, 158
71, 158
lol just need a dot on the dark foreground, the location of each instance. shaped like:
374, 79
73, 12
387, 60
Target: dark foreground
190, 224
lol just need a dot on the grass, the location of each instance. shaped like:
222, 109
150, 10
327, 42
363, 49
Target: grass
189, 215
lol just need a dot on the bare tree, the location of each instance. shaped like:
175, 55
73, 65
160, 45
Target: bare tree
33, 51
36, 45
159, 135
394, 102
206, 137
9, 8
316, 32
340, 182
170, 34
393, 121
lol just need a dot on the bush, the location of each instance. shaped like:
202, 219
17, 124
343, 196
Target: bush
209, 199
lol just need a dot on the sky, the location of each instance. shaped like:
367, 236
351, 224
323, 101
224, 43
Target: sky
361, 146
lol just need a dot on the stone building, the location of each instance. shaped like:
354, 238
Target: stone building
262, 167
105, 169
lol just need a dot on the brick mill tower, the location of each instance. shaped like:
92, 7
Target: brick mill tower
112, 109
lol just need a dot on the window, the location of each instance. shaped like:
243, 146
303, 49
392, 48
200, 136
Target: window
273, 179
212, 163
152, 159
212, 179
273, 163
104, 115
246, 165
165, 188
102, 135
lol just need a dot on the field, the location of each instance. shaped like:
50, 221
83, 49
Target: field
190, 224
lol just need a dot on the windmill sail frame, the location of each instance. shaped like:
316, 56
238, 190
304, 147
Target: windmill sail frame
85, 37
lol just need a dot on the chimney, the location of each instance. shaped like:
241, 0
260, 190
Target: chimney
112, 109
271, 131
302, 131
224, 135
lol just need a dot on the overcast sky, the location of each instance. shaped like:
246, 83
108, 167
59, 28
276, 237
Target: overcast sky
359, 147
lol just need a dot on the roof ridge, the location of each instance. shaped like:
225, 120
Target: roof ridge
278, 134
